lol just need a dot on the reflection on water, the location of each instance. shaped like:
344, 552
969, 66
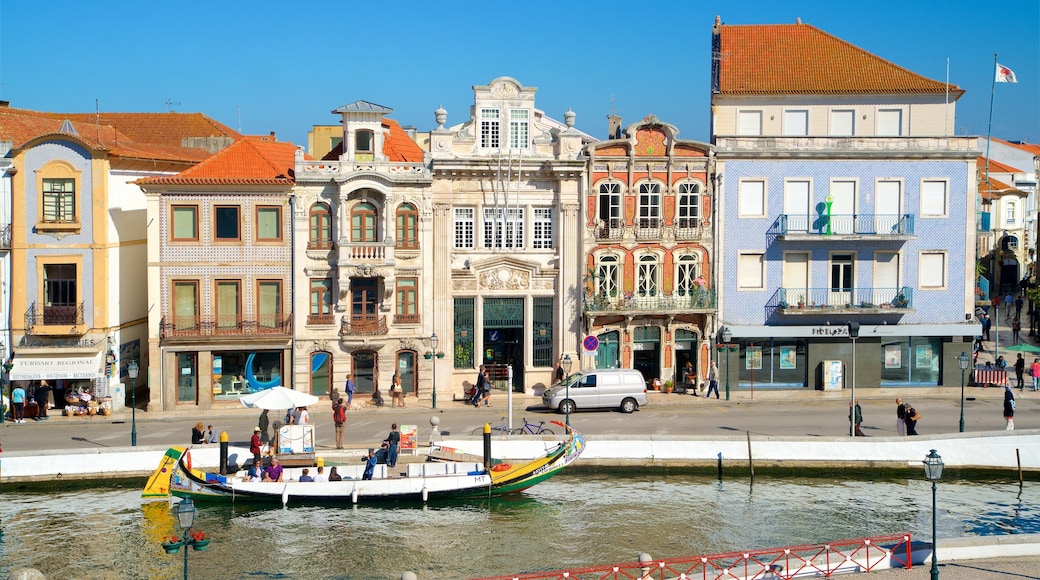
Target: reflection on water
572, 520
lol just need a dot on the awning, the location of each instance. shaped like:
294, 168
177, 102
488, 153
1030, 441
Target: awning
28, 368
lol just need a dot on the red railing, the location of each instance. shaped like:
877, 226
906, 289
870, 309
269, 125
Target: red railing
819, 560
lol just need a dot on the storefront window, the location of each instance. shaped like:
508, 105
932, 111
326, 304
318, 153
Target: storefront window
910, 361
772, 363
237, 373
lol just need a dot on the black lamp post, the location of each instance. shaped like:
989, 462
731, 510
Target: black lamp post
853, 334
567, 364
963, 361
933, 469
131, 370
727, 335
434, 341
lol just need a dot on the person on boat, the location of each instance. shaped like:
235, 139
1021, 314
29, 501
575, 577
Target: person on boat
319, 477
370, 464
256, 471
306, 476
254, 445
274, 471
392, 443
334, 475
264, 423
339, 418
198, 434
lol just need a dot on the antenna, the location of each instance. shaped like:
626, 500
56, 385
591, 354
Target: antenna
170, 104
240, 118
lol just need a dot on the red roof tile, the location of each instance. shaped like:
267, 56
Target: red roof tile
1028, 147
994, 166
248, 161
769, 59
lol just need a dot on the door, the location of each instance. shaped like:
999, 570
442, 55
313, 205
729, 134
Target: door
841, 280
796, 206
843, 207
886, 277
887, 208
365, 373
607, 354
364, 301
406, 370
321, 373
796, 279
187, 378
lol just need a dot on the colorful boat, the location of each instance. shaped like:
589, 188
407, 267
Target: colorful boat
418, 482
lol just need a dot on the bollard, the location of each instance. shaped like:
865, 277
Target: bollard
409, 576
320, 462
487, 445
223, 453
645, 560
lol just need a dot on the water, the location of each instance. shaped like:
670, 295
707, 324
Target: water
572, 520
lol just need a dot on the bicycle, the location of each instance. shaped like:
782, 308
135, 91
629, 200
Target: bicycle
532, 429
501, 429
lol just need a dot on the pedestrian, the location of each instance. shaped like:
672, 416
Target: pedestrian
211, 435
558, 374
349, 388
1018, 307
255, 446
1016, 329
396, 400
301, 417
1009, 301
690, 376
1009, 409
713, 380
485, 394
987, 322
858, 420
478, 390
264, 423
900, 417
339, 418
198, 434
43, 400
1034, 370
1020, 370
912, 417
392, 444
18, 404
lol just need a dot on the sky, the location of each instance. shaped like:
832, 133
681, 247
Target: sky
263, 66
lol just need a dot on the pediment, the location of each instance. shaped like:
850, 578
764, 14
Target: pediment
504, 273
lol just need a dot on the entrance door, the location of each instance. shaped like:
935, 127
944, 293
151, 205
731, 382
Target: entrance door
796, 206
406, 370
841, 280
504, 342
607, 353
187, 378
365, 373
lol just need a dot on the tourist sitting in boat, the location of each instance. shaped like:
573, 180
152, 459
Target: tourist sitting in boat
377, 397
256, 471
319, 477
334, 475
306, 476
198, 434
274, 471
370, 464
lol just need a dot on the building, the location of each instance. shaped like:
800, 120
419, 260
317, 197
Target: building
78, 311
219, 276
847, 214
505, 275
1005, 227
648, 278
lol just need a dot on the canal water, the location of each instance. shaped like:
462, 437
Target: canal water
572, 520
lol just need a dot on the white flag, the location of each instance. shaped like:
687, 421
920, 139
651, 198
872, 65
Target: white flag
1005, 75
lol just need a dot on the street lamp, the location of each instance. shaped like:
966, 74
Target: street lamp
132, 370
963, 361
434, 341
727, 335
853, 334
567, 363
933, 468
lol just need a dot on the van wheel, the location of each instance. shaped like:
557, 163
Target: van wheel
567, 407
629, 405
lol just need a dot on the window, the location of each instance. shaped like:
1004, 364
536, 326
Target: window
321, 301
752, 199
228, 301
689, 205
796, 123
363, 223
933, 199
751, 271
609, 206
843, 123
749, 123
503, 228
363, 141
185, 304
269, 306
462, 339
649, 205
519, 128
364, 298
1011, 213
464, 227
606, 283
686, 272
268, 224
59, 200
407, 300
648, 276
489, 128
890, 123
60, 304
226, 223
841, 272
407, 226
542, 236
932, 270
320, 227
185, 226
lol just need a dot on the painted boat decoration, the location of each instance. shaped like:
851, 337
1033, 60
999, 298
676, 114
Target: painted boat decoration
421, 482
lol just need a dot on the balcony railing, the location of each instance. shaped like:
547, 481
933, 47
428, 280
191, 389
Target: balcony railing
687, 229
318, 319
675, 302
53, 315
222, 326
863, 300
407, 319
366, 251
367, 325
320, 245
611, 229
862, 224
648, 229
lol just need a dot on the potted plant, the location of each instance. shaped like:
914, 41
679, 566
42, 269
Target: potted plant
172, 545
199, 541
669, 386
801, 301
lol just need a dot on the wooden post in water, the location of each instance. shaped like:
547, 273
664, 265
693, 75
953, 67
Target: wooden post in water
720, 466
750, 461
1018, 458
223, 454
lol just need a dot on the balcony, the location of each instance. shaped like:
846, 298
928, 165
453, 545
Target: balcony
796, 301
204, 327
611, 229
58, 317
364, 325
320, 319
407, 319
648, 229
366, 252
700, 301
688, 229
861, 226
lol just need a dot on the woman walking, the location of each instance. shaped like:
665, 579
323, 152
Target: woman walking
1009, 409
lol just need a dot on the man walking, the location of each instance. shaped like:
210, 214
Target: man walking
856, 416
1020, 370
349, 388
900, 417
713, 380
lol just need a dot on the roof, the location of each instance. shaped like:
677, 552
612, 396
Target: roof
397, 145
770, 59
363, 107
994, 166
1027, 147
248, 161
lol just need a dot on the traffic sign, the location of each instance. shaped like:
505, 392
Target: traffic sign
590, 343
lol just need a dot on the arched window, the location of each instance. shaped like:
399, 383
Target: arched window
407, 226
321, 227
606, 285
321, 373
649, 205
689, 206
648, 276
687, 271
363, 223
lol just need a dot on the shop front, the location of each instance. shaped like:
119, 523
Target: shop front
76, 379
205, 377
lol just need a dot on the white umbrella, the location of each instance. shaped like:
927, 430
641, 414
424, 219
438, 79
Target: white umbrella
278, 398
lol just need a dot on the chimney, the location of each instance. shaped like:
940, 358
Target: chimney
614, 126
5, 104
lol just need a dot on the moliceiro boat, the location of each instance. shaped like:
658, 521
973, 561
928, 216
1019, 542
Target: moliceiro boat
418, 482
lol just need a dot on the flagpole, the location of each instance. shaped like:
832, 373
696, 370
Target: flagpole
989, 131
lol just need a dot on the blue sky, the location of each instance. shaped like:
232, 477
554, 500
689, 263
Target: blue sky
264, 66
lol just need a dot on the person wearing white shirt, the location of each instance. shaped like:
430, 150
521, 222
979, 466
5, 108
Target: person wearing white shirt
320, 475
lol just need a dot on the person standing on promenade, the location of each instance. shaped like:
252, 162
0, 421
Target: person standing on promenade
713, 380
254, 445
339, 417
900, 417
1009, 409
1034, 370
912, 417
987, 322
349, 388
43, 400
18, 404
1020, 370
858, 420
392, 442
264, 423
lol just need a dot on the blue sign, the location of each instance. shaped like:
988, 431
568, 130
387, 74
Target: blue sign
590, 343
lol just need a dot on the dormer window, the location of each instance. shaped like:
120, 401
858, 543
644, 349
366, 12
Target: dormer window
363, 141
519, 129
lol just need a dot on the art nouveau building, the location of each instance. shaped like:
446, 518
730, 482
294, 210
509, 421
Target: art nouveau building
648, 282
506, 248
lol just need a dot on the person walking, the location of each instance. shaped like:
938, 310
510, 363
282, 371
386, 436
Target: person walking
900, 417
43, 400
857, 432
987, 322
1009, 301
1016, 329
1018, 307
1009, 409
349, 388
18, 404
1034, 370
478, 390
912, 417
339, 418
393, 442
264, 423
1020, 370
713, 380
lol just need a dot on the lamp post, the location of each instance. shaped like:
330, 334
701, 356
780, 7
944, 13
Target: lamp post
131, 370
727, 335
963, 361
434, 341
853, 334
567, 363
933, 468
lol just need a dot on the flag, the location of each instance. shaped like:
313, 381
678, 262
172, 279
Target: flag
1005, 75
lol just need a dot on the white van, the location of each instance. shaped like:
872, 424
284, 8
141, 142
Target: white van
622, 389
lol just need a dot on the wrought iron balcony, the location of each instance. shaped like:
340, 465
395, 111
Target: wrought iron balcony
648, 228
844, 226
688, 229
610, 229
53, 315
198, 327
364, 325
700, 300
321, 319
863, 300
